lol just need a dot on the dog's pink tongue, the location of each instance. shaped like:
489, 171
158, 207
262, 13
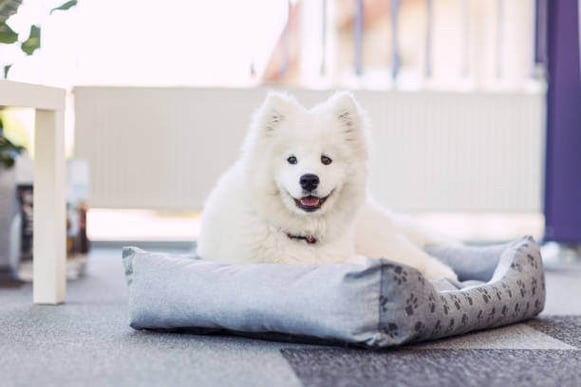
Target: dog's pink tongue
310, 201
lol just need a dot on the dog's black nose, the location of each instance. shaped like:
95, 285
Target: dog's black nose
309, 182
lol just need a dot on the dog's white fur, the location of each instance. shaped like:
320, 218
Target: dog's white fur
252, 210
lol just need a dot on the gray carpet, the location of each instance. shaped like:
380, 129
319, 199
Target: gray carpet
440, 367
530, 360
87, 342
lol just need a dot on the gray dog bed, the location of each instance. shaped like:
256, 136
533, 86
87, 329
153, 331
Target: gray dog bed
381, 304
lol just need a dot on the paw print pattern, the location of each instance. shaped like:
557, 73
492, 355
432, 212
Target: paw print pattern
450, 325
462, 311
411, 304
432, 302
534, 285
383, 303
497, 293
485, 295
391, 330
504, 311
507, 290
532, 261
437, 328
445, 304
521, 287
456, 301
421, 280
419, 327
399, 274
468, 299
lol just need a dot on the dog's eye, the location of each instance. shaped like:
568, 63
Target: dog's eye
326, 160
292, 160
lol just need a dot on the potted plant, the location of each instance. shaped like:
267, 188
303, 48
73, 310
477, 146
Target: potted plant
9, 8
8, 36
28, 45
8, 150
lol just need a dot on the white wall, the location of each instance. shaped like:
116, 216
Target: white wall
163, 148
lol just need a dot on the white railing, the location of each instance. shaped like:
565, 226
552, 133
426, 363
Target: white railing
434, 44
164, 148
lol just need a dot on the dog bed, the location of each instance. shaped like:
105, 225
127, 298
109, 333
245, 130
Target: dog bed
378, 305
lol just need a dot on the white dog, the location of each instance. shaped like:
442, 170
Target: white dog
298, 194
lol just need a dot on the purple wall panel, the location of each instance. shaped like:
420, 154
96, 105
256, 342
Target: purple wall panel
563, 157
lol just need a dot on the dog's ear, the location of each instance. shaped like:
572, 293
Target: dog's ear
346, 110
276, 108
352, 120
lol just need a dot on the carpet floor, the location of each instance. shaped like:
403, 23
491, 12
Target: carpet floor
88, 342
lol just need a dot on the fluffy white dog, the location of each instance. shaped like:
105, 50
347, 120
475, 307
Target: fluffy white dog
298, 194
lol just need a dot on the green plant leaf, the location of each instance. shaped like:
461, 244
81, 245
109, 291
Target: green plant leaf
6, 160
33, 42
8, 8
8, 150
7, 35
6, 70
64, 7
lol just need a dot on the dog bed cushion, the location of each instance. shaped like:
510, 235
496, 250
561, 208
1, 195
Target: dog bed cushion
380, 304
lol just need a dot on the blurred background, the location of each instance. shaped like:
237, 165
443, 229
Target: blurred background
474, 104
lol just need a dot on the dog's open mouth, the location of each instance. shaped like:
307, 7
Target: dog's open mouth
310, 203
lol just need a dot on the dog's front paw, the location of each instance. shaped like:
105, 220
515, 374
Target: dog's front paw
436, 270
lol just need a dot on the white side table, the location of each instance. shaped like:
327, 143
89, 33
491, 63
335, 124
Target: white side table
49, 265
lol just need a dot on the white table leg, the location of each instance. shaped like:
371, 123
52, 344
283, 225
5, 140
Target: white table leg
49, 265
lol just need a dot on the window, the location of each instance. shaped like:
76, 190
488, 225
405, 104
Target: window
412, 44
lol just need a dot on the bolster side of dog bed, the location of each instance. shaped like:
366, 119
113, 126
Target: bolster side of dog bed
381, 304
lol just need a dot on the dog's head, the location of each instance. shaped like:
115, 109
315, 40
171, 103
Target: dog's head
310, 160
